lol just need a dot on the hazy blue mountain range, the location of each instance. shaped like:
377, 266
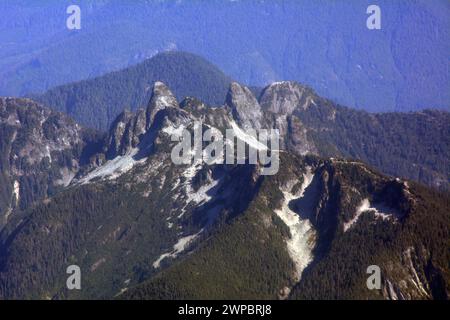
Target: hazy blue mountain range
324, 44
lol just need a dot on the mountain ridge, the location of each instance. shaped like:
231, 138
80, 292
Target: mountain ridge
131, 88
389, 141
222, 231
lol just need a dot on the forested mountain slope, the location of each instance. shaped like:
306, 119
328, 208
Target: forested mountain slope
350, 218
140, 226
97, 102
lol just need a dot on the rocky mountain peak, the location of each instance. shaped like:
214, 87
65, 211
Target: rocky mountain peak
284, 97
42, 150
123, 134
161, 98
193, 104
244, 106
129, 128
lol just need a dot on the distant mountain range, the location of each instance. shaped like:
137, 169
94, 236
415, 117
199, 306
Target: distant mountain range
323, 44
97, 102
141, 227
411, 145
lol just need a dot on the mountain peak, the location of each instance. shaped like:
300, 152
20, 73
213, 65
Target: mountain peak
129, 128
161, 98
161, 90
160, 86
284, 97
244, 106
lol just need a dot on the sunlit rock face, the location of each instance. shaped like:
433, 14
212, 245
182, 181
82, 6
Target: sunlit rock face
244, 106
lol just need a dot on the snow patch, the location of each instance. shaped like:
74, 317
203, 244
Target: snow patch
48, 153
123, 290
16, 191
176, 184
6, 216
163, 101
179, 247
415, 279
114, 168
364, 207
301, 242
171, 130
392, 292
250, 140
277, 83
202, 196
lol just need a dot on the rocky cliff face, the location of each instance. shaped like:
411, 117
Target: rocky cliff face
285, 97
128, 130
244, 106
273, 110
42, 151
395, 143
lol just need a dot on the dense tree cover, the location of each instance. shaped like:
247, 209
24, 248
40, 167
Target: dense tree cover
97, 102
5, 183
341, 274
414, 145
245, 259
240, 260
113, 234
